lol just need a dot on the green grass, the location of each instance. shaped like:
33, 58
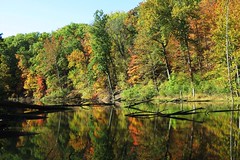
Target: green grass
198, 97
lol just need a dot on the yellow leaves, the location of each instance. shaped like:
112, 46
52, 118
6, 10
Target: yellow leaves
79, 130
151, 14
76, 58
76, 143
100, 86
236, 54
30, 82
86, 45
29, 79
77, 62
22, 65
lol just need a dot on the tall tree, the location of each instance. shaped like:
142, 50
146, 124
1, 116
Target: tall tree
183, 11
78, 62
51, 58
226, 47
101, 48
154, 27
120, 42
116, 29
155, 21
19, 45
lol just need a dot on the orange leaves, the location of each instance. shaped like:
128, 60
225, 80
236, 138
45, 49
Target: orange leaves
35, 84
51, 47
41, 86
133, 70
31, 82
133, 129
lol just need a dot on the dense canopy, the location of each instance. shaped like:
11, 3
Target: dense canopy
161, 47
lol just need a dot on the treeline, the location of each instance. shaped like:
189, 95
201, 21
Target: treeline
160, 47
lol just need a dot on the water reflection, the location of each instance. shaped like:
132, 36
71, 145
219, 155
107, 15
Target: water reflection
146, 131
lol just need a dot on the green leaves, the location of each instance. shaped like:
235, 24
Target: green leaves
100, 42
4, 76
118, 50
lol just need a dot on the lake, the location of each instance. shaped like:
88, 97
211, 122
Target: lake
143, 132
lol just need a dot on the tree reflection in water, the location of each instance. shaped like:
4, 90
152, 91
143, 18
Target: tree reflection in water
146, 131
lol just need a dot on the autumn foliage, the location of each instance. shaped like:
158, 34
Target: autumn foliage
175, 46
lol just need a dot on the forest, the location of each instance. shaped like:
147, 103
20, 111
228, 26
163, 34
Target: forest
160, 48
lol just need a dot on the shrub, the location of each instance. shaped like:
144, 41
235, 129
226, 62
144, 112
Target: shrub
181, 82
139, 92
56, 95
213, 86
176, 84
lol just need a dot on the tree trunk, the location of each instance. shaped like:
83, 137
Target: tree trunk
227, 52
167, 153
110, 86
231, 138
192, 135
237, 80
168, 68
110, 119
155, 78
189, 62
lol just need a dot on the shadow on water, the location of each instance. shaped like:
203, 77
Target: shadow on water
146, 131
227, 147
178, 115
173, 115
13, 114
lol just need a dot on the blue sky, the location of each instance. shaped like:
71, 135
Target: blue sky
25, 16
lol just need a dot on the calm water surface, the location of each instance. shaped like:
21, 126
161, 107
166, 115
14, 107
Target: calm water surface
178, 131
